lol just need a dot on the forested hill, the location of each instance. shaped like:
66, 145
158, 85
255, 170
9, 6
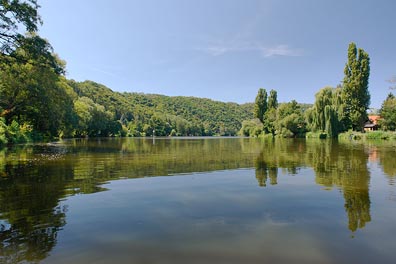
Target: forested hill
141, 114
37, 101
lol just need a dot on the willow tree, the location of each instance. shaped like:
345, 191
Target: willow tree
323, 116
331, 126
260, 106
356, 96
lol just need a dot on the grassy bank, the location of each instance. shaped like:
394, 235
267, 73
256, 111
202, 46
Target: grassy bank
353, 135
371, 135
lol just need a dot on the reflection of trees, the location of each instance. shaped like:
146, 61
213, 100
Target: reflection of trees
335, 164
29, 205
263, 171
284, 154
344, 166
134, 158
34, 179
30, 240
387, 161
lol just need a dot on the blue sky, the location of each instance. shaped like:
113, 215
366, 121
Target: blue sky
221, 49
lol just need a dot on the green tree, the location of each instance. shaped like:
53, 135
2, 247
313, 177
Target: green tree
251, 128
388, 113
323, 116
322, 99
273, 100
269, 121
13, 15
260, 106
17, 14
31, 87
331, 121
356, 96
33, 94
271, 113
290, 121
94, 120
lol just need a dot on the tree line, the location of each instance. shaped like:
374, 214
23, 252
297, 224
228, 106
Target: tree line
37, 101
335, 110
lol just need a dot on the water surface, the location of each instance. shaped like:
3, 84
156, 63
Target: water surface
198, 200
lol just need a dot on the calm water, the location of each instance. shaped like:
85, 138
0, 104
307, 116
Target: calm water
198, 200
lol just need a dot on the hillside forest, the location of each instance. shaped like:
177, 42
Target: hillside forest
38, 102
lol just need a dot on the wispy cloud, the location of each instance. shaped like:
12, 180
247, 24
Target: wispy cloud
281, 50
266, 51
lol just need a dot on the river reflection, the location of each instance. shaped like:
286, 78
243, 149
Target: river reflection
37, 180
335, 165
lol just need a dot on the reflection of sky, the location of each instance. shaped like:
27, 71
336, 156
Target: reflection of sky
4, 225
219, 217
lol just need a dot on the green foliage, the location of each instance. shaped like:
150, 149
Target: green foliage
318, 135
290, 120
376, 135
14, 133
270, 116
355, 92
33, 94
260, 105
94, 120
3, 131
350, 135
273, 100
388, 113
325, 115
323, 99
13, 15
371, 135
251, 128
269, 121
141, 114
55, 107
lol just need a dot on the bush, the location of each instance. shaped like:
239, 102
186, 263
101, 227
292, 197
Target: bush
3, 130
251, 128
266, 136
284, 133
351, 135
14, 133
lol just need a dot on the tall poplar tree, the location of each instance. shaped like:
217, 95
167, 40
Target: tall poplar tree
273, 100
271, 115
260, 106
355, 93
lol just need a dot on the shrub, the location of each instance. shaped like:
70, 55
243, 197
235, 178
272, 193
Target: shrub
14, 133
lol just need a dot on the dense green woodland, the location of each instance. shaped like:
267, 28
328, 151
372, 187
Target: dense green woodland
76, 109
137, 114
38, 102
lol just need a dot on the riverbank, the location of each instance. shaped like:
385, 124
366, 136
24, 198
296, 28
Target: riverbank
353, 135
